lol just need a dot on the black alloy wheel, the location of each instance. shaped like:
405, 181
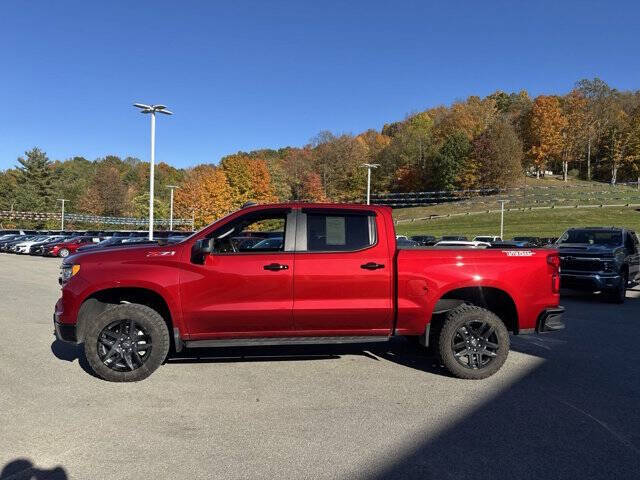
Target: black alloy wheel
475, 344
124, 345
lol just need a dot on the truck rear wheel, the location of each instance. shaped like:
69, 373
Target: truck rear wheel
126, 343
473, 343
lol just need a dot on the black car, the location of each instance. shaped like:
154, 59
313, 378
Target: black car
599, 259
424, 240
454, 238
117, 242
535, 241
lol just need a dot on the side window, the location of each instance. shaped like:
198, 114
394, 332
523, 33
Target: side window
263, 232
328, 232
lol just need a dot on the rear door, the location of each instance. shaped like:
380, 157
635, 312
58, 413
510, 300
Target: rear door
343, 278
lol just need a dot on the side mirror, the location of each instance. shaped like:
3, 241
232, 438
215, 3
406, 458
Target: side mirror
201, 248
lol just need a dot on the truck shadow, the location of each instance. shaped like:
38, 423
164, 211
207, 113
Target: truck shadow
397, 350
23, 469
572, 414
69, 353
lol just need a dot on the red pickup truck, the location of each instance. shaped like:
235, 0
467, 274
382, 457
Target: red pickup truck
329, 274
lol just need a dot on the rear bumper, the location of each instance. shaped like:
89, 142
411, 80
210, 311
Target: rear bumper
589, 281
550, 320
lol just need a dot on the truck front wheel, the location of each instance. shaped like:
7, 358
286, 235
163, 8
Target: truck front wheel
126, 343
473, 343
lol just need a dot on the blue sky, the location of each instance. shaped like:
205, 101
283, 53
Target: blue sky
251, 74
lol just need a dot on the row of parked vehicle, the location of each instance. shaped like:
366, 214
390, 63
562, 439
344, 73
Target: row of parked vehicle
604, 259
480, 241
63, 244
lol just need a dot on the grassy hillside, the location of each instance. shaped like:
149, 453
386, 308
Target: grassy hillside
544, 222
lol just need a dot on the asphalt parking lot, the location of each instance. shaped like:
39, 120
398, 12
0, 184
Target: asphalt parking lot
565, 405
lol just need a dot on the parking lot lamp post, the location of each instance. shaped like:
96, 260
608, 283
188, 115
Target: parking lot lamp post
152, 109
369, 166
62, 216
171, 187
502, 202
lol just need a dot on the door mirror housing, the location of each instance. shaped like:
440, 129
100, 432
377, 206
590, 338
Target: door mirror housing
202, 248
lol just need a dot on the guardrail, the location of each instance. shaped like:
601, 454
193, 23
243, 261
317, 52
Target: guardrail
87, 218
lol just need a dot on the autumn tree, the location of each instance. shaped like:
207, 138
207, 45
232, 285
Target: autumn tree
106, 193
248, 178
547, 124
450, 161
575, 132
497, 153
312, 189
204, 195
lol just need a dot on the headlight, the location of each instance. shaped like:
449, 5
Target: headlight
68, 271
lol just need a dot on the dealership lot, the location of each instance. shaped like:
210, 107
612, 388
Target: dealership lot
565, 405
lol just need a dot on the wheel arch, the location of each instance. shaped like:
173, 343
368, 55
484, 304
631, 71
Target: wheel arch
101, 300
494, 299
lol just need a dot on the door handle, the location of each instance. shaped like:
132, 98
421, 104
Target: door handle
274, 267
372, 266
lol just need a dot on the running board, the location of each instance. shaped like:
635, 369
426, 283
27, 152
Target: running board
248, 342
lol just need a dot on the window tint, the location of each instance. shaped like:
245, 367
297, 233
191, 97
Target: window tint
252, 234
336, 232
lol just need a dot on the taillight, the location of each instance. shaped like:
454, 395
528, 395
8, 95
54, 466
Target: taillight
554, 260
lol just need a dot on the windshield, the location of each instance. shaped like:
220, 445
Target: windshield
592, 237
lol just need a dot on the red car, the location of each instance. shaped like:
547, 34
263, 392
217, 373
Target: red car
68, 246
337, 277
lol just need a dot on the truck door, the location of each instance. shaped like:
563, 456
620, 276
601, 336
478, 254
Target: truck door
343, 278
245, 287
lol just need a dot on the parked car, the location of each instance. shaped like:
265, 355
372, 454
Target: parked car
454, 238
115, 242
128, 306
39, 248
67, 247
511, 244
529, 240
404, 243
25, 246
599, 259
8, 245
487, 238
274, 243
424, 240
462, 244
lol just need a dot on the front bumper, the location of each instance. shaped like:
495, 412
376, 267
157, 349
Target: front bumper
64, 332
550, 320
590, 281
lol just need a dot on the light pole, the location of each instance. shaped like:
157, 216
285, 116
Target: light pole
502, 202
62, 216
369, 166
152, 109
171, 207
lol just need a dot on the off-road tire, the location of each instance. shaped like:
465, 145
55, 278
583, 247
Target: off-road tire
619, 295
459, 318
147, 318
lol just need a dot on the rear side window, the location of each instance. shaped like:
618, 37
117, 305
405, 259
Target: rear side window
329, 232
